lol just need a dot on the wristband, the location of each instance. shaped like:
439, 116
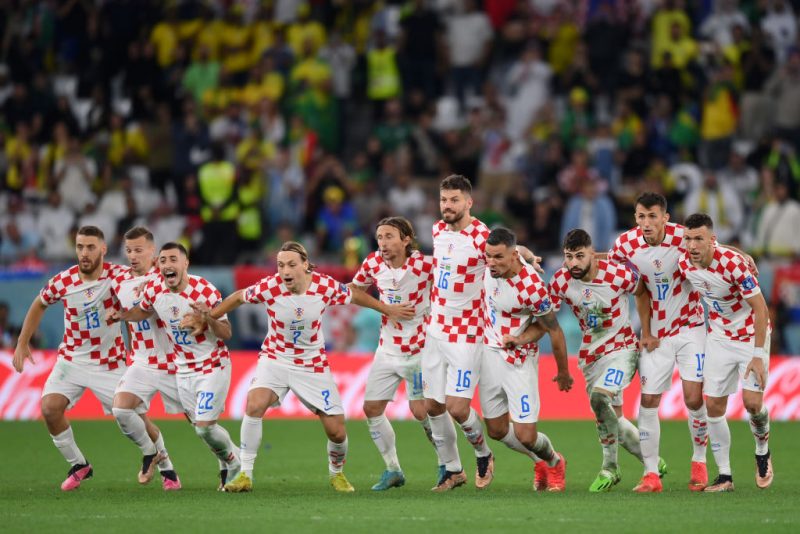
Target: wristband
759, 352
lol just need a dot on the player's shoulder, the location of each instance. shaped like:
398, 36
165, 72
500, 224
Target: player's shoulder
560, 279
614, 268
729, 260
530, 281
673, 234
373, 261
439, 227
684, 264
198, 283
629, 241
66, 278
420, 262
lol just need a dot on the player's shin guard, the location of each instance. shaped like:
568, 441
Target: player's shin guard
218, 440
473, 430
629, 439
649, 437
720, 436
132, 425
383, 435
65, 443
337, 455
759, 425
698, 428
166, 463
250, 441
445, 439
512, 442
607, 428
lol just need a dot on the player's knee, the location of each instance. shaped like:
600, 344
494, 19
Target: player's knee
434, 408
496, 432
458, 410
203, 432
419, 412
337, 435
753, 406
123, 414
372, 409
650, 401
51, 410
599, 402
693, 402
526, 436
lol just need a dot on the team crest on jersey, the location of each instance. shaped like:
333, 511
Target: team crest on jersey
298, 312
658, 264
89, 292
706, 286
496, 292
450, 248
587, 293
174, 310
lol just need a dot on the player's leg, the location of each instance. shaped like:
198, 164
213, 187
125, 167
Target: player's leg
655, 373
721, 379
258, 400
463, 375
411, 371
691, 365
753, 400
382, 382
337, 450
552, 464
434, 375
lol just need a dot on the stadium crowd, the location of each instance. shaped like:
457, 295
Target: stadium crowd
233, 126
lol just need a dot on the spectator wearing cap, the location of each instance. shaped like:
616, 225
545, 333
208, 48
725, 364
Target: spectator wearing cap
337, 220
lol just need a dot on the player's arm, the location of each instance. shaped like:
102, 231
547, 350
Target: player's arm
530, 257
761, 314
33, 318
532, 334
135, 314
395, 312
559, 342
643, 304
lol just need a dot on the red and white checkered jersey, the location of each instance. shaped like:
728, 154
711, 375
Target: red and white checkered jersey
674, 302
295, 321
725, 285
193, 354
457, 296
509, 306
409, 283
88, 337
150, 345
601, 307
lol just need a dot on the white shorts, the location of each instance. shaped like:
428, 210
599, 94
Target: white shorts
71, 379
685, 348
612, 372
386, 373
317, 391
509, 388
203, 395
450, 369
726, 363
145, 382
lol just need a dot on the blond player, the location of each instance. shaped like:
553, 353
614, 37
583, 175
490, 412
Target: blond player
597, 292
92, 352
513, 295
402, 274
736, 348
153, 367
202, 358
293, 355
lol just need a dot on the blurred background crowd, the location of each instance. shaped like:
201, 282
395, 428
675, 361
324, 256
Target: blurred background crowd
234, 125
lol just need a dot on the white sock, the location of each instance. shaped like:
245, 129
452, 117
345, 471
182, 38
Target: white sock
510, 440
544, 449
383, 435
65, 443
337, 456
720, 436
426, 425
132, 425
219, 441
759, 425
649, 437
444, 437
166, 463
250, 441
698, 428
629, 438
473, 430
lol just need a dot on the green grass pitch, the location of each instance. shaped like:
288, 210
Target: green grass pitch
292, 492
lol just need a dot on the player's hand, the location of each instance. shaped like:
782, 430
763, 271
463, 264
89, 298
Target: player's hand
649, 343
138, 290
564, 380
400, 312
510, 341
756, 366
195, 322
22, 353
200, 307
751, 264
113, 316
530, 257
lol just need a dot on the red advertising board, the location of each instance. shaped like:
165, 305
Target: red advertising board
20, 393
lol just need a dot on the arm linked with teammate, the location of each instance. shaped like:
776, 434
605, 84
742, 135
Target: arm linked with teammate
221, 327
33, 318
648, 341
205, 317
550, 323
395, 312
